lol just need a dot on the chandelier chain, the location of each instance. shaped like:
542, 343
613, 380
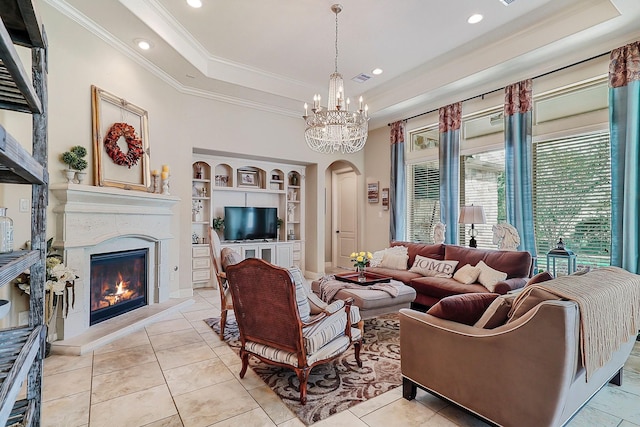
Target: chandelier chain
336, 45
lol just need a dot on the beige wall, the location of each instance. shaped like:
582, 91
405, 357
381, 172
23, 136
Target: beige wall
177, 123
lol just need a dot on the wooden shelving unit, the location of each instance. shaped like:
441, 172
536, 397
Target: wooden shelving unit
22, 349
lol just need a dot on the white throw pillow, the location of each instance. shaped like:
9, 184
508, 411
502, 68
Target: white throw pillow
432, 267
489, 277
376, 261
467, 274
393, 261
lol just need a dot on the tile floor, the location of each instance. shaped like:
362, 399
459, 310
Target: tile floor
177, 372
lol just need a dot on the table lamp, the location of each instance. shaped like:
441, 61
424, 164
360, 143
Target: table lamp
472, 215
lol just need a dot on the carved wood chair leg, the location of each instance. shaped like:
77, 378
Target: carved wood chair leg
303, 377
223, 322
245, 362
361, 327
357, 346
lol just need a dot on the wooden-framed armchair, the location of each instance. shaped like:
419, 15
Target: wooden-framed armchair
226, 302
275, 322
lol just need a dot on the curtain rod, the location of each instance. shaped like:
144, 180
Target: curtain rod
502, 88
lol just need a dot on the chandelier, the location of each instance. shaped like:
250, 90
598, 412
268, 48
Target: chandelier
335, 128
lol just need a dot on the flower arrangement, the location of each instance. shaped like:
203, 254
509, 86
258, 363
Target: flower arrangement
60, 281
361, 259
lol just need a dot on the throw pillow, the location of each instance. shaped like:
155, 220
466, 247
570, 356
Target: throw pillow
432, 267
376, 261
497, 313
229, 257
301, 295
539, 278
463, 308
467, 274
393, 261
529, 298
489, 277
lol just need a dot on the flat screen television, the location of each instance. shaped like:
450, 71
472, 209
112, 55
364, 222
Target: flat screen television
247, 223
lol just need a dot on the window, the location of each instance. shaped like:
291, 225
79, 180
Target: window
482, 184
572, 197
423, 200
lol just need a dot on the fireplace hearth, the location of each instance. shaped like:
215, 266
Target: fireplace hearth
118, 283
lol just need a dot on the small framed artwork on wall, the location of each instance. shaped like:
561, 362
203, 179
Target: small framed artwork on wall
372, 192
248, 178
385, 199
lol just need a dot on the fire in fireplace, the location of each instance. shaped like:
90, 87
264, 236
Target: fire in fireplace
118, 283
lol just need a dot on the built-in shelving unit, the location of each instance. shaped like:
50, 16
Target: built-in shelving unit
242, 182
22, 348
201, 274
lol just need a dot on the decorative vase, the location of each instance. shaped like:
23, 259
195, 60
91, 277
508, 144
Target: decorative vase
70, 174
80, 176
361, 274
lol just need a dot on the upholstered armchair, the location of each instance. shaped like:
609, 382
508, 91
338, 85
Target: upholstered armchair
275, 322
226, 302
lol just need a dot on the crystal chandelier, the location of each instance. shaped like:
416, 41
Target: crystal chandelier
336, 128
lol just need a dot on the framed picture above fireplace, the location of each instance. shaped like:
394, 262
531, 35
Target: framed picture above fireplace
121, 142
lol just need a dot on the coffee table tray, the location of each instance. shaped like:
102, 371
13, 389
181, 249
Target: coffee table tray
370, 278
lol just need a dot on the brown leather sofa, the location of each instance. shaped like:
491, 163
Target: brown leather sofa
429, 290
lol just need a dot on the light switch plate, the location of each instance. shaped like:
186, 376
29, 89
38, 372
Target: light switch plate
24, 205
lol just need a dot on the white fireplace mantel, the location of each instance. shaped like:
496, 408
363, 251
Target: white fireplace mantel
91, 220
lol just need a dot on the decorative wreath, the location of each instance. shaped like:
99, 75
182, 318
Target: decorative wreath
134, 143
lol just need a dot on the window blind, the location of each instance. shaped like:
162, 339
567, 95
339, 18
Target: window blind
424, 201
572, 197
482, 184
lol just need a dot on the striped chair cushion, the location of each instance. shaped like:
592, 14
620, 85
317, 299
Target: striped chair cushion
301, 295
319, 334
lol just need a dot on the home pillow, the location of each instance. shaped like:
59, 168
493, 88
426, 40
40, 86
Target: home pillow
467, 274
395, 250
463, 308
394, 262
497, 313
529, 298
432, 267
489, 277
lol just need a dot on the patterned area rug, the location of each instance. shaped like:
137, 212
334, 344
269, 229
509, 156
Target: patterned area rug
336, 386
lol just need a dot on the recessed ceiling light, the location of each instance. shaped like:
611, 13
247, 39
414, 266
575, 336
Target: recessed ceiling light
376, 71
194, 3
475, 18
143, 44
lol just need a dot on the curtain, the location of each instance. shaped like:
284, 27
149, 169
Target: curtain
624, 122
518, 152
397, 187
449, 154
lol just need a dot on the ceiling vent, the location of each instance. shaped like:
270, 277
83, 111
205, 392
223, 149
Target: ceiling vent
361, 78
507, 2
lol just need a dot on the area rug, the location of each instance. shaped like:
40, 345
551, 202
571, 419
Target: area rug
338, 385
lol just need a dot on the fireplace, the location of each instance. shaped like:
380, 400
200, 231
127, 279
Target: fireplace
118, 283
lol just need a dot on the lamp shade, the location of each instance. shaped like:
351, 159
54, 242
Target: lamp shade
472, 215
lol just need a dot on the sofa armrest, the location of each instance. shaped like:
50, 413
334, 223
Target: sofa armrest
508, 285
517, 375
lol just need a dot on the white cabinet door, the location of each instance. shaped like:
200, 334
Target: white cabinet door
284, 255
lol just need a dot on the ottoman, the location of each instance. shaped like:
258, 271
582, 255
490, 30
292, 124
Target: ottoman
373, 302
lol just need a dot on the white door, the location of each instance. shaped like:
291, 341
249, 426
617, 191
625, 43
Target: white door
345, 214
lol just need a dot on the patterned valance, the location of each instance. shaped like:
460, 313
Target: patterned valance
625, 65
397, 132
450, 117
517, 98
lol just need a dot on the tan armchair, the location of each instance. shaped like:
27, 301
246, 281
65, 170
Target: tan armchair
276, 325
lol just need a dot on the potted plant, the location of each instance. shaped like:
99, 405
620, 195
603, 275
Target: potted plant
218, 224
76, 164
278, 226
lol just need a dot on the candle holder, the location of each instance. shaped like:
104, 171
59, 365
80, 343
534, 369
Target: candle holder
165, 186
155, 184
